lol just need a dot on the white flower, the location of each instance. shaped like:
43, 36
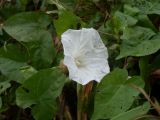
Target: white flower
85, 55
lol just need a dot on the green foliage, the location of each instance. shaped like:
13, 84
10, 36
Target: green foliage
115, 94
148, 7
120, 21
31, 28
11, 69
137, 41
14, 52
69, 21
41, 91
70, 4
32, 86
26, 26
133, 113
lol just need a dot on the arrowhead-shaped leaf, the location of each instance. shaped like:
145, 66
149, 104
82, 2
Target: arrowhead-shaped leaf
40, 92
115, 95
138, 41
31, 28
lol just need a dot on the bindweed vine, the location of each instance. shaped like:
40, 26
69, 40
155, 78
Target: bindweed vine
79, 60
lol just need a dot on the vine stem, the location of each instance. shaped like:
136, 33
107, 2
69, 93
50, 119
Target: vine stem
82, 100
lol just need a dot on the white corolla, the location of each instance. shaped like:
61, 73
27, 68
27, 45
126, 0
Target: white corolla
86, 57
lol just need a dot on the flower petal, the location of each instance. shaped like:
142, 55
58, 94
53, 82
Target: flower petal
77, 41
72, 68
97, 63
70, 41
85, 55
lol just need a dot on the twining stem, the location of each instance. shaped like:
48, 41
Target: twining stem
83, 99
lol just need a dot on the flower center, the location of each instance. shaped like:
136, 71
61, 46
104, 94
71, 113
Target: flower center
78, 63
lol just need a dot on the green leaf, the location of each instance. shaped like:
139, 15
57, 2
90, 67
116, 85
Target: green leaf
120, 21
11, 69
141, 33
133, 113
14, 52
143, 20
28, 71
137, 42
115, 95
130, 10
13, 60
31, 28
69, 4
41, 50
66, 20
147, 7
26, 26
40, 92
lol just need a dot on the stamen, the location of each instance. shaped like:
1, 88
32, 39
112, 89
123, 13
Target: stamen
78, 63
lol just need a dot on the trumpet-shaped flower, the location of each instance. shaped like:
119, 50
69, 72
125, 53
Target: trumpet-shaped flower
85, 55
